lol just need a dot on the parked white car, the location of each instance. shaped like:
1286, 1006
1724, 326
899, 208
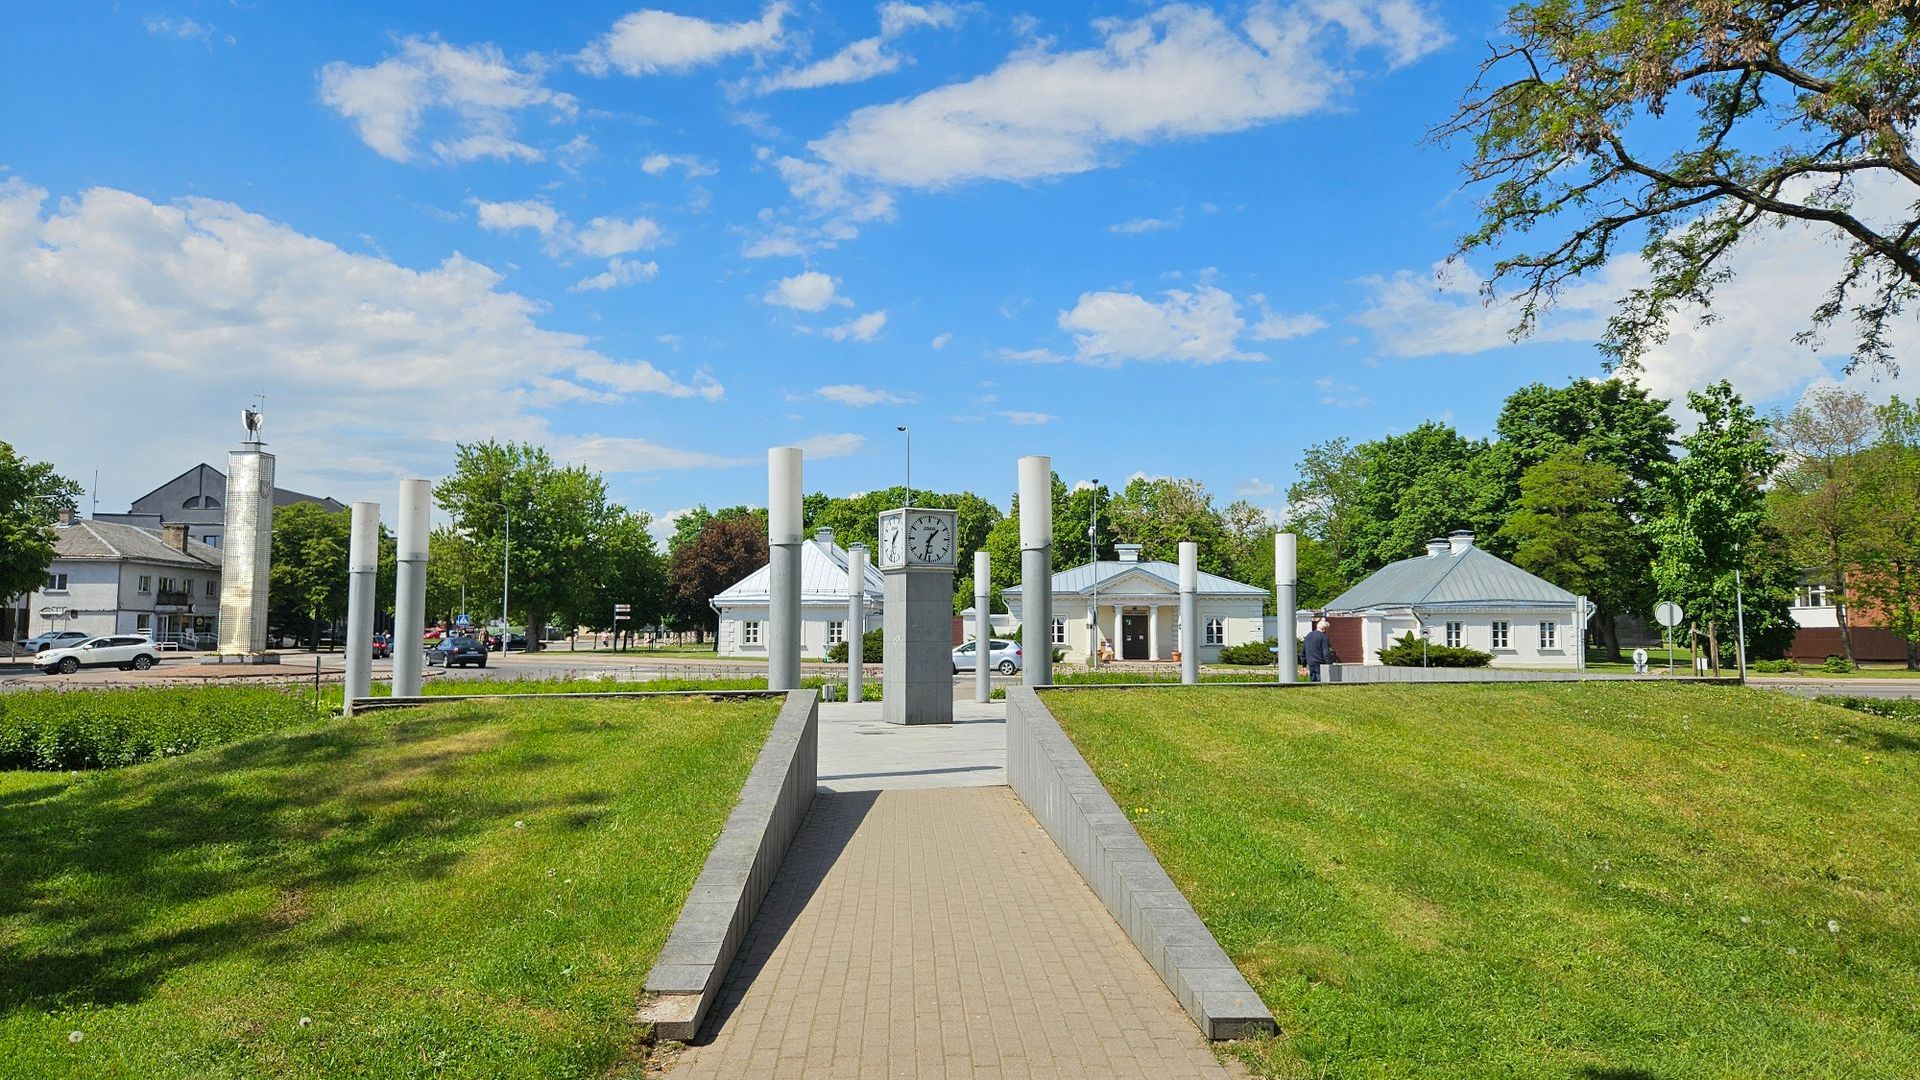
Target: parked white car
129, 652
1004, 659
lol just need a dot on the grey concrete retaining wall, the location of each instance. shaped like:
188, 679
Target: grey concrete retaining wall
1048, 773
1381, 673
686, 978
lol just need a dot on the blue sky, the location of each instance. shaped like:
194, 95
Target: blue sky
1180, 240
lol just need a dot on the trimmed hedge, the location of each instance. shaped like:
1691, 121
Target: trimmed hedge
1252, 653
871, 643
95, 729
1406, 651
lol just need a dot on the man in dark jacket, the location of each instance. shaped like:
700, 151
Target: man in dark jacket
1319, 651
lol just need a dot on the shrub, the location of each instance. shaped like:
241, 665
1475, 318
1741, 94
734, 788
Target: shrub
871, 644
92, 729
1775, 667
1409, 652
1250, 653
1837, 665
1893, 708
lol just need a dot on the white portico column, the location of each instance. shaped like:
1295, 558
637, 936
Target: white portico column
1119, 637
1153, 632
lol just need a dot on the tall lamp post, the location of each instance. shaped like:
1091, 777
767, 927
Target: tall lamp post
1093, 595
902, 429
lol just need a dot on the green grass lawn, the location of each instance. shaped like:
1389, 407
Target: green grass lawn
1590, 881
462, 890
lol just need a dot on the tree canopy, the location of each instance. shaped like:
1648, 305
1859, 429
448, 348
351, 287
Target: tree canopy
31, 498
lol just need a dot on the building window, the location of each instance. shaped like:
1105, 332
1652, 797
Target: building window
212, 503
836, 633
749, 633
1500, 635
1453, 635
166, 584
186, 586
1813, 596
143, 622
1216, 631
191, 504
1549, 633
1059, 630
211, 540
146, 584
56, 583
213, 588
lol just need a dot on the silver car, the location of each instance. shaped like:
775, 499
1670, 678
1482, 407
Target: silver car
1005, 657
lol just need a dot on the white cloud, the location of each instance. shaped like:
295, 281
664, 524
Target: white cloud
372, 370
862, 328
1027, 419
1339, 395
1136, 226
659, 164
1254, 488
1177, 72
868, 57
861, 397
1202, 326
182, 29
1276, 326
534, 214
830, 446
940, 341
648, 42
606, 236
1440, 312
619, 272
621, 454
809, 290
477, 86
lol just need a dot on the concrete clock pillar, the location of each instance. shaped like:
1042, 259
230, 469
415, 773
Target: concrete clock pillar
917, 550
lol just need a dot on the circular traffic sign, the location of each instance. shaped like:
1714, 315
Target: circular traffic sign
1667, 613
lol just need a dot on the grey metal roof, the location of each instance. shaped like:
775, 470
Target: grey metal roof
1082, 579
1464, 579
823, 579
88, 539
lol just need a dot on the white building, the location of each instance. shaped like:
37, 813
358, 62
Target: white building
1137, 607
823, 603
1463, 596
108, 578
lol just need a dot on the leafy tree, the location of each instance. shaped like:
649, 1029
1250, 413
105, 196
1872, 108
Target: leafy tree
1825, 498
726, 549
31, 498
1889, 581
1714, 508
1320, 580
458, 580
1159, 514
855, 519
1405, 489
633, 572
1802, 110
1568, 528
1325, 504
307, 581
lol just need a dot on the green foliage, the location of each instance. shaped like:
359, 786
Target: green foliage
1251, 653
1802, 113
1776, 667
726, 548
872, 644
307, 580
92, 729
1567, 526
31, 496
1893, 708
1837, 665
1408, 651
1888, 577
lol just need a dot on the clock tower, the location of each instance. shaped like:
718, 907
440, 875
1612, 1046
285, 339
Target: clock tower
917, 552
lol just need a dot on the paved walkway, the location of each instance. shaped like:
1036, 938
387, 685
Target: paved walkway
861, 752
938, 933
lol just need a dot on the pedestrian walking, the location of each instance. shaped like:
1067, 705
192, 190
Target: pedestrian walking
1318, 649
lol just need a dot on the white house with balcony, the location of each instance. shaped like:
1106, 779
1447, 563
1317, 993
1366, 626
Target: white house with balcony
108, 578
1460, 594
743, 606
1135, 609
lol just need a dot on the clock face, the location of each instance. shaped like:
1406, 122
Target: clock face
893, 546
930, 539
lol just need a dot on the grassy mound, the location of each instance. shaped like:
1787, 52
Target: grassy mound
1553, 880
463, 890
91, 729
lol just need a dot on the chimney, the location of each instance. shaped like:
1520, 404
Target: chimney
1437, 547
65, 515
175, 536
1460, 540
825, 536
1127, 552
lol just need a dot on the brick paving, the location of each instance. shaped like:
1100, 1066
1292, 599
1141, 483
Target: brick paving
939, 933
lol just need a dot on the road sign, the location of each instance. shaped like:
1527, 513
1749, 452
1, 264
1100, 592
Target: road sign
463, 619
622, 609
1667, 613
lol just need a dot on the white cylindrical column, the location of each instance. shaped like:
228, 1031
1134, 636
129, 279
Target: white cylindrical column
1285, 582
1189, 631
363, 571
982, 627
410, 591
783, 561
856, 619
1036, 567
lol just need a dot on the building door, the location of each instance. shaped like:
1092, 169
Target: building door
1133, 637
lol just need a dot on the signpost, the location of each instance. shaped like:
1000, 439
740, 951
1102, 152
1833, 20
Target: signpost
620, 612
1668, 614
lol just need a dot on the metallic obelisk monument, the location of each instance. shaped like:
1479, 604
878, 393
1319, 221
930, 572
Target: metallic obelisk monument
856, 620
247, 551
1189, 628
1285, 585
917, 549
363, 571
1036, 568
784, 524
410, 589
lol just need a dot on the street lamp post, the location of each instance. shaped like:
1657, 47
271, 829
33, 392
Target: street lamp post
903, 429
